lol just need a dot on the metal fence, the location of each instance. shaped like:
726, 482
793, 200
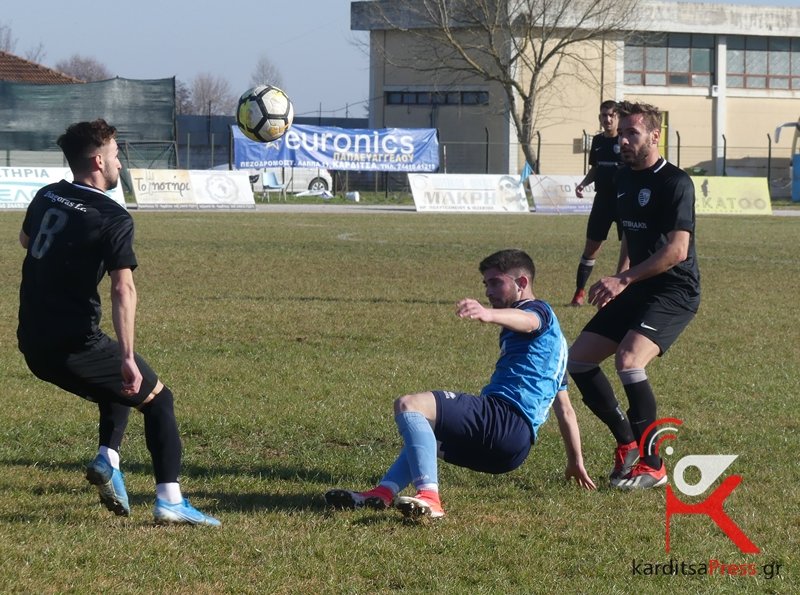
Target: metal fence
205, 151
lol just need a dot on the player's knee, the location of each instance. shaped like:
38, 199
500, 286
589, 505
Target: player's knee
162, 403
415, 402
575, 366
592, 249
626, 359
404, 403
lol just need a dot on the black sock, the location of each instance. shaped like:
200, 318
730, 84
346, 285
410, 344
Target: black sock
584, 272
642, 413
599, 398
113, 421
161, 437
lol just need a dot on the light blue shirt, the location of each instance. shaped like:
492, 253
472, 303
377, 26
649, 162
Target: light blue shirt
532, 366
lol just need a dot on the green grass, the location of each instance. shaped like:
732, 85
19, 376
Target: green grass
390, 198
286, 337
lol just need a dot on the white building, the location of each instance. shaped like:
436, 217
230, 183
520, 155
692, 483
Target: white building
726, 76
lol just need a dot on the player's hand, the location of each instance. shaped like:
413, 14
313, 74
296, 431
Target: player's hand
579, 190
605, 290
579, 474
473, 310
131, 377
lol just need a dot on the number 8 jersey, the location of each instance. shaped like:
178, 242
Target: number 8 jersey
76, 235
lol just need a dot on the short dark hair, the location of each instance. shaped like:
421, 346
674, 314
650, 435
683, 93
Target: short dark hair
651, 115
83, 138
609, 104
506, 260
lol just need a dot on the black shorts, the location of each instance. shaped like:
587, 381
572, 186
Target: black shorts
484, 434
94, 373
660, 316
602, 215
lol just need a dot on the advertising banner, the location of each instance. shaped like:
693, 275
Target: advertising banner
191, 189
18, 185
556, 194
732, 196
222, 189
386, 149
713, 195
468, 193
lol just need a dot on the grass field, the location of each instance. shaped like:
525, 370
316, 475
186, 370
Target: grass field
286, 337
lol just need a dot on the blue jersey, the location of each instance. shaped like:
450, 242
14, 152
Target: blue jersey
532, 366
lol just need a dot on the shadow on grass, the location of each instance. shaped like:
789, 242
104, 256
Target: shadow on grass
232, 501
327, 299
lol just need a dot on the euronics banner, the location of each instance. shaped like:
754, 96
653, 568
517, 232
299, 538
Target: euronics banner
468, 193
18, 185
196, 189
385, 149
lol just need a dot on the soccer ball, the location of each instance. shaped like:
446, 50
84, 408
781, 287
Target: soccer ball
264, 113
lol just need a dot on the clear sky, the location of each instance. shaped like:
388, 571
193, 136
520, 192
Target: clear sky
322, 63
320, 60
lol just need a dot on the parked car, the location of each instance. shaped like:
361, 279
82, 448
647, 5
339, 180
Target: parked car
294, 179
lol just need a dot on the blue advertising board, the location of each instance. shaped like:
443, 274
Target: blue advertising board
385, 149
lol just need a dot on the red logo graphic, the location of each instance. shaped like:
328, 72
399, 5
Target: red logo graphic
711, 468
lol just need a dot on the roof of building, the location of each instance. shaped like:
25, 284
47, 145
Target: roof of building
19, 70
716, 18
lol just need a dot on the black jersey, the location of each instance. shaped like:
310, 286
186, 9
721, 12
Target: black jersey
605, 157
77, 234
650, 204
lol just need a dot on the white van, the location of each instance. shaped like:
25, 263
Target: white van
292, 179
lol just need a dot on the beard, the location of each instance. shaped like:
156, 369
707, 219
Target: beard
111, 178
636, 157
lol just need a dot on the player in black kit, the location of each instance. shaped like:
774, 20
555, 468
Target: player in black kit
604, 160
644, 307
74, 234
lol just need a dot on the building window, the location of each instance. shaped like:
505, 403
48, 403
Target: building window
672, 59
475, 97
437, 98
763, 62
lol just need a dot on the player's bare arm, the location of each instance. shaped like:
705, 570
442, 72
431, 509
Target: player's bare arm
123, 312
511, 318
587, 179
623, 262
673, 252
570, 434
23, 239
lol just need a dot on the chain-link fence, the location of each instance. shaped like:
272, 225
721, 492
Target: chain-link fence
212, 149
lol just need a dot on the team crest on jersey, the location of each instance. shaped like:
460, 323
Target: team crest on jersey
644, 196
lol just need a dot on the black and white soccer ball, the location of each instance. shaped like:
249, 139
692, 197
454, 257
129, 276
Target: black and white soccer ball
264, 113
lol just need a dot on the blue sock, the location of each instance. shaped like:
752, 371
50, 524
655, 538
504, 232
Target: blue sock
419, 449
399, 474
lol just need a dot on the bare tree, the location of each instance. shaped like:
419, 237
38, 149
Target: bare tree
7, 40
83, 68
265, 72
8, 43
183, 98
211, 95
36, 54
525, 46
